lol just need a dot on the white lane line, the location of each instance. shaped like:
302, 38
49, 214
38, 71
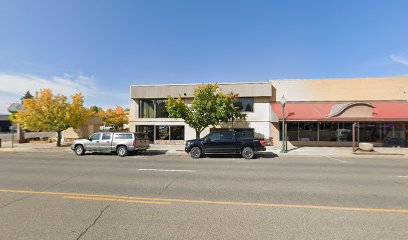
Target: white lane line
165, 170
402, 176
339, 160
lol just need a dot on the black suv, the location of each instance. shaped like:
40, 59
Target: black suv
225, 142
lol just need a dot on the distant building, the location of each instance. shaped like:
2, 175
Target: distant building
5, 123
318, 112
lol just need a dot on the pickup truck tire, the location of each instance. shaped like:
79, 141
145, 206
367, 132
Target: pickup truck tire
79, 150
195, 152
122, 151
248, 153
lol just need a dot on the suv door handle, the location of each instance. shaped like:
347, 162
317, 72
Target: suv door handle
97, 141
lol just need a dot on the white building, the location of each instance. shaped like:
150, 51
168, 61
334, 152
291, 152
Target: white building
148, 112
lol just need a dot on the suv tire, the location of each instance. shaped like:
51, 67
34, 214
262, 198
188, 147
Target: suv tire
122, 151
248, 153
195, 152
79, 150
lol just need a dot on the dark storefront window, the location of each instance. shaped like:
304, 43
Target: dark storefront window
148, 130
389, 133
245, 104
162, 132
369, 132
292, 131
329, 131
307, 131
176, 132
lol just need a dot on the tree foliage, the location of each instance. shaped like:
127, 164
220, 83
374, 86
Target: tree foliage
95, 109
48, 112
209, 107
115, 118
27, 95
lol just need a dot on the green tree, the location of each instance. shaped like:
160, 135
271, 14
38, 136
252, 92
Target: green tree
48, 112
209, 107
27, 95
95, 109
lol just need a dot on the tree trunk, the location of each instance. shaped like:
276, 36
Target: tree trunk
198, 134
59, 136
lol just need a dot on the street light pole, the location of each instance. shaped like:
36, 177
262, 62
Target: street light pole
283, 103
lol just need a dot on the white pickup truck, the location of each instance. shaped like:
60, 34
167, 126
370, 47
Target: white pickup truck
121, 143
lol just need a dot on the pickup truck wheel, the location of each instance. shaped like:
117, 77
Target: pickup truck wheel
122, 151
248, 153
79, 150
195, 152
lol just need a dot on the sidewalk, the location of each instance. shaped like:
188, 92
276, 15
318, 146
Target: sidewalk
33, 147
179, 150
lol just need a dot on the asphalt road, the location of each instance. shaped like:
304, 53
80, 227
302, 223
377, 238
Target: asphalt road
60, 196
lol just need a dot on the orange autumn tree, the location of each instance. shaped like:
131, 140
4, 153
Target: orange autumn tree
48, 112
115, 118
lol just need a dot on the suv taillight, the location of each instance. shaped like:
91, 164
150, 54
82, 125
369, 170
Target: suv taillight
134, 143
262, 142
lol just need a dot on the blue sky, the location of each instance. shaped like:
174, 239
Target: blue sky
103, 47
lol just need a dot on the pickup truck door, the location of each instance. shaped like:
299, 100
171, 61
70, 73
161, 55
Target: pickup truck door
93, 144
220, 142
105, 144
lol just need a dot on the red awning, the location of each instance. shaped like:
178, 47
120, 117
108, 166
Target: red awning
313, 111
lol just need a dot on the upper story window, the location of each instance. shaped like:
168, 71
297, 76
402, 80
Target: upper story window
153, 108
245, 104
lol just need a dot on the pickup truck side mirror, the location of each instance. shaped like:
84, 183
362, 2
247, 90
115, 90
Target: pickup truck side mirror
90, 139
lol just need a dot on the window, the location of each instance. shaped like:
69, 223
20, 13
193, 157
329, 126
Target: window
141, 136
161, 109
146, 108
106, 136
226, 135
96, 136
176, 132
153, 108
214, 136
146, 129
162, 132
245, 104
127, 136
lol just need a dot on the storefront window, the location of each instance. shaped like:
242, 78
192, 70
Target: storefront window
146, 108
177, 133
292, 131
307, 131
147, 129
161, 109
162, 132
329, 131
369, 132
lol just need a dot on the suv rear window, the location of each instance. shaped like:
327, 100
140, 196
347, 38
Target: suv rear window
124, 136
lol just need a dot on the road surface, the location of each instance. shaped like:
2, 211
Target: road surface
62, 196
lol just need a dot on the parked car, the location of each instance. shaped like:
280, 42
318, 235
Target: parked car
120, 142
225, 142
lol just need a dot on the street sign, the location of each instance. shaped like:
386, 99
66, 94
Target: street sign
15, 107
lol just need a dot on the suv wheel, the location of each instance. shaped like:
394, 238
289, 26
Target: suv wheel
195, 152
248, 153
122, 151
79, 150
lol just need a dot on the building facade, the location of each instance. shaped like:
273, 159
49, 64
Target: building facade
317, 113
148, 111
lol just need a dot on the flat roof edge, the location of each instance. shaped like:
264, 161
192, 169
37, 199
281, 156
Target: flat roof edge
193, 84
